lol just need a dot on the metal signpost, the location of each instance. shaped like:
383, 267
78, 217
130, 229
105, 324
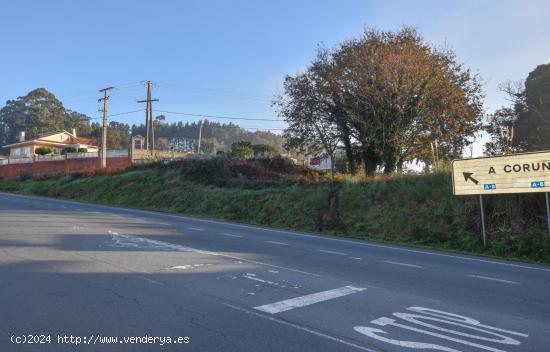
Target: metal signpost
514, 173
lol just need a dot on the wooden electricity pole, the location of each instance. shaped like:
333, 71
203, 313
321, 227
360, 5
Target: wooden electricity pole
104, 129
200, 137
149, 127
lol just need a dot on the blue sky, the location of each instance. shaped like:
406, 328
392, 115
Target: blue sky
230, 57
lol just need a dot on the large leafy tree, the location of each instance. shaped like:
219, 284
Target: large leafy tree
390, 95
311, 122
524, 125
533, 123
35, 113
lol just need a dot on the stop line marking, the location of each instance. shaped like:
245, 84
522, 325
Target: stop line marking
307, 300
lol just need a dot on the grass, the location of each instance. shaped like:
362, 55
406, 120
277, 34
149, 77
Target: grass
408, 209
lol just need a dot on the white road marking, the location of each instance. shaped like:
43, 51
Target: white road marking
307, 300
140, 242
374, 333
232, 235
190, 266
331, 252
319, 237
493, 279
195, 228
163, 223
300, 327
461, 319
420, 320
383, 321
277, 243
151, 280
480, 331
356, 258
402, 264
247, 276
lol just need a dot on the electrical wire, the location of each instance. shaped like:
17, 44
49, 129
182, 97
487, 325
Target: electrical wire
215, 116
218, 91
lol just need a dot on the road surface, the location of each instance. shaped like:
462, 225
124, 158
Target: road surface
96, 278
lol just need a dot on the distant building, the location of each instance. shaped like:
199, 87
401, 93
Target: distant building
319, 160
56, 141
138, 142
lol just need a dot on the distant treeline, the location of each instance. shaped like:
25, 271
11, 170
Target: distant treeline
40, 111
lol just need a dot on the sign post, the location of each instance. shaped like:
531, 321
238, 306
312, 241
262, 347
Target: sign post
513, 173
548, 212
483, 220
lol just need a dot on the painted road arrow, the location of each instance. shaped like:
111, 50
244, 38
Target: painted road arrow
468, 176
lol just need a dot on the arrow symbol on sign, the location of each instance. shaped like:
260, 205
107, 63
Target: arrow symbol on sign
468, 176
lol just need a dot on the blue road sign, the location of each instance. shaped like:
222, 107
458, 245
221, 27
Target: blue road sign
537, 184
489, 186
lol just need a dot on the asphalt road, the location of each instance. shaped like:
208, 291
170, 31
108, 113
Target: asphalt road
95, 273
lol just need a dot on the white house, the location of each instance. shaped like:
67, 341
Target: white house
56, 141
319, 161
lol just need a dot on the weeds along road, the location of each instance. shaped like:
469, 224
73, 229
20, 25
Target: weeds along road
69, 268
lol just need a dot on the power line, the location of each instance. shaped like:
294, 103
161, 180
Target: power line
117, 114
247, 128
218, 91
78, 96
125, 113
216, 117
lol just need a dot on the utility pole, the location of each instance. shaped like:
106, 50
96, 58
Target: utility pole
200, 137
149, 127
104, 129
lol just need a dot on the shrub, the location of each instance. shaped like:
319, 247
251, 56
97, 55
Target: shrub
82, 150
68, 150
264, 151
43, 151
242, 150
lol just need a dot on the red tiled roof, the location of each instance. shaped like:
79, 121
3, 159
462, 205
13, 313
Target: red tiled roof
86, 140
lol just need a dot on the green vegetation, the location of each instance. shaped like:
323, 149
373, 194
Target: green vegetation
68, 150
412, 209
43, 151
524, 124
387, 97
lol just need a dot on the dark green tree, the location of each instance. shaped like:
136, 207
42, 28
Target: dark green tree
118, 134
36, 113
532, 128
